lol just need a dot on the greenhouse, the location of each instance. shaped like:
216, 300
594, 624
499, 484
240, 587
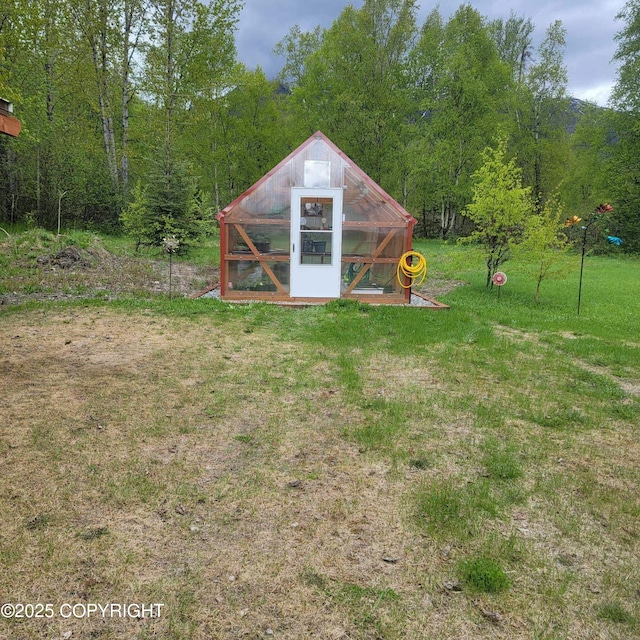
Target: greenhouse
315, 228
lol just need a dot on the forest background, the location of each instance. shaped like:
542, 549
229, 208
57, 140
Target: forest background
141, 107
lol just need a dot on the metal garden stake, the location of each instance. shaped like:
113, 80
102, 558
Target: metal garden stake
570, 222
170, 245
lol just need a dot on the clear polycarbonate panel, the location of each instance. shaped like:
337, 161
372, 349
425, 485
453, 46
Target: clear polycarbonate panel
378, 279
250, 275
266, 238
383, 242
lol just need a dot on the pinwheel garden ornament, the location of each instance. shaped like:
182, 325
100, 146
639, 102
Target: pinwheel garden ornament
601, 210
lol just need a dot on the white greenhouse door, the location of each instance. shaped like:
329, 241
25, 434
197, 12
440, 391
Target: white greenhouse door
316, 242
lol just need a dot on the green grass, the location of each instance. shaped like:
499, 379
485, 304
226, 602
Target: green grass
208, 454
615, 612
501, 460
484, 574
367, 607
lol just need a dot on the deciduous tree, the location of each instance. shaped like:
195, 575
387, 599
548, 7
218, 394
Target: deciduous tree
500, 207
461, 85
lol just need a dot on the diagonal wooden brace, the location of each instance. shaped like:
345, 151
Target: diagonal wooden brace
260, 257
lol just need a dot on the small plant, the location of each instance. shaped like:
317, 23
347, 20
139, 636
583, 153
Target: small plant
420, 463
446, 509
261, 242
367, 607
485, 574
439, 507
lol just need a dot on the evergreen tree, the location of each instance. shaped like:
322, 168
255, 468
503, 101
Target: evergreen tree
166, 205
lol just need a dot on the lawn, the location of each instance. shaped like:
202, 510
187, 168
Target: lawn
338, 471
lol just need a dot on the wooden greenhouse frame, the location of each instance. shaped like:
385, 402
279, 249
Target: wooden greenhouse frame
313, 229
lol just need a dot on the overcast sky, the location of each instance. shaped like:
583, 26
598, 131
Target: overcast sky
590, 24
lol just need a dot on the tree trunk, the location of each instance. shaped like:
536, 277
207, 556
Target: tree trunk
100, 61
133, 19
125, 98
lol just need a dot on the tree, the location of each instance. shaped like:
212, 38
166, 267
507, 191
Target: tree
625, 162
235, 138
134, 218
189, 52
542, 107
93, 18
626, 93
166, 206
500, 207
544, 246
514, 38
460, 90
296, 48
590, 173
354, 85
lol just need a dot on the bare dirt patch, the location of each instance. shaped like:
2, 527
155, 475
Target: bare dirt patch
76, 273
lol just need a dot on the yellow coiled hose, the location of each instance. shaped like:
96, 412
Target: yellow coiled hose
409, 268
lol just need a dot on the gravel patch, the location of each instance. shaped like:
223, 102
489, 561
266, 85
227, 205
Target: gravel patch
416, 300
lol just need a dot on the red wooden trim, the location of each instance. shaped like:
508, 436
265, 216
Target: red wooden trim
271, 257
409, 247
224, 241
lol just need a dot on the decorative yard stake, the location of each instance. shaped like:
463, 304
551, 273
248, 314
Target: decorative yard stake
170, 246
600, 211
499, 279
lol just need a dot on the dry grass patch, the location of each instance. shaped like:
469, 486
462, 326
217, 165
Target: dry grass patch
264, 487
146, 462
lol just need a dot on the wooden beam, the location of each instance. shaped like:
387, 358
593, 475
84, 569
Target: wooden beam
368, 262
260, 257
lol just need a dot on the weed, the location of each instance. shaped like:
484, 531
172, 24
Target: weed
445, 509
561, 418
362, 604
94, 534
420, 463
41, 521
